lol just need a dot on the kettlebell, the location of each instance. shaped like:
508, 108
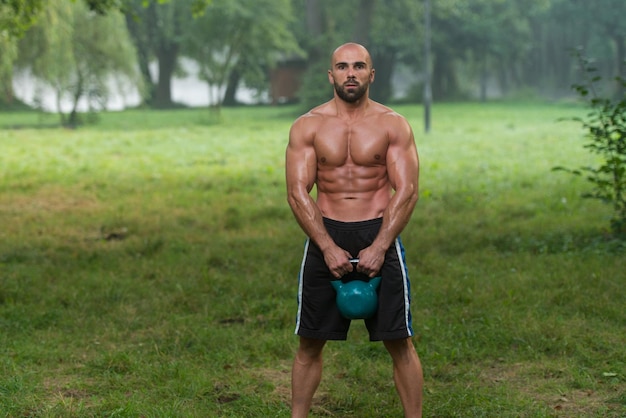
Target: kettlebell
357, 299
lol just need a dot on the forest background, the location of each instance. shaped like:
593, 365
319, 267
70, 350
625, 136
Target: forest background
85, 51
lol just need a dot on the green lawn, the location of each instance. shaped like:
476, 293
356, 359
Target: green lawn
148, 269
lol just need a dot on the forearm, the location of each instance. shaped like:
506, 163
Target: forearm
395, 218
311, 220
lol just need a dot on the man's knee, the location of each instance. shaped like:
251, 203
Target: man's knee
399, 349
309, 349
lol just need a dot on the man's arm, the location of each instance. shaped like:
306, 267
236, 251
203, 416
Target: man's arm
301, 174
403, 172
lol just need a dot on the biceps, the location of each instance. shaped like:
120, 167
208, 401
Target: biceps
403, 166
300, 168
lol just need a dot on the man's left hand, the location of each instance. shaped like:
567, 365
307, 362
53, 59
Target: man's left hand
371, 260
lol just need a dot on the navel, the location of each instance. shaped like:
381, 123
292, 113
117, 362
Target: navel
377, 157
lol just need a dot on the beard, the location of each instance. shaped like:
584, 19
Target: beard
352, 96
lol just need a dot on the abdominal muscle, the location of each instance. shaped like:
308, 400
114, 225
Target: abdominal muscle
353, 198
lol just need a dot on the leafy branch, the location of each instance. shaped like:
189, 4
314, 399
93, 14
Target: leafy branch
605, 127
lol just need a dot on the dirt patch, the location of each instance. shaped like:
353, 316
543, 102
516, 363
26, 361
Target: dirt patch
280, 378
61, 390
49, 211
51, 198
553, 388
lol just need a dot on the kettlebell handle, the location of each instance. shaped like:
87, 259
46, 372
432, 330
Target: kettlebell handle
354, 262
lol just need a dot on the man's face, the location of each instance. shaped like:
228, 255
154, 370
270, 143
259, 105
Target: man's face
351, 73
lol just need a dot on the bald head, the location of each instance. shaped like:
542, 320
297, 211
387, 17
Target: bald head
351, 72
350, 52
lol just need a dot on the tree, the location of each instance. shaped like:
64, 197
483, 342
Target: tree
321, 28
607, 17
158, 30
478, 41
568, 24
76, 52
16, 16
105, 6
403, 18
243, 36
316, 36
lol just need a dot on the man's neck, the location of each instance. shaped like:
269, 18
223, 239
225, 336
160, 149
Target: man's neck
353, 110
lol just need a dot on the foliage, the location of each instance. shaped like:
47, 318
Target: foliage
76, 52
320, 30
482, 48
315, 88
106, 6
16, 16
559, 30
404, 20
244, 35
8, 46
480, 41
605, 125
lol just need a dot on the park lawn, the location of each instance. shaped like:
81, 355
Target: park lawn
148, 267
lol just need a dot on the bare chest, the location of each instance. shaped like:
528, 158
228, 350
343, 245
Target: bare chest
337, 144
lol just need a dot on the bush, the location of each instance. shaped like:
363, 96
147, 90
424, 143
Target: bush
605, 127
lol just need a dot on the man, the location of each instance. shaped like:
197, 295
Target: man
361, 156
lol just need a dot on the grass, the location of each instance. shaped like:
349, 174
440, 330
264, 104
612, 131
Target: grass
148, 269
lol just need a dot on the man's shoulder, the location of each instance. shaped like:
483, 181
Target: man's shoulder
306, 125
386, 116
385, 111
322, 111
315, 115
395, 124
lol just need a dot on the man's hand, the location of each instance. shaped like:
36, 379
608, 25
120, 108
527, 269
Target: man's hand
338, 262
371, 260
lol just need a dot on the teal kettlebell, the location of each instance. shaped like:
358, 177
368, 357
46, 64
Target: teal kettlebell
357, 299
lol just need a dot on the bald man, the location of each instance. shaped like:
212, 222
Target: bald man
362, 159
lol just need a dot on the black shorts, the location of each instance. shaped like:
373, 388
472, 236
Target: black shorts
318, 316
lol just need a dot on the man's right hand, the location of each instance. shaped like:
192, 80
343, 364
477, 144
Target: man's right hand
338, 262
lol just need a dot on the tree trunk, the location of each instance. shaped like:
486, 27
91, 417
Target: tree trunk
73, 120
167, 56
483, 82
445, 84
315, 26
7, 90
620, 57
137, 30
314, 89
504, 74
384, 62
231, 88
314, 17
363, 24
484, 74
